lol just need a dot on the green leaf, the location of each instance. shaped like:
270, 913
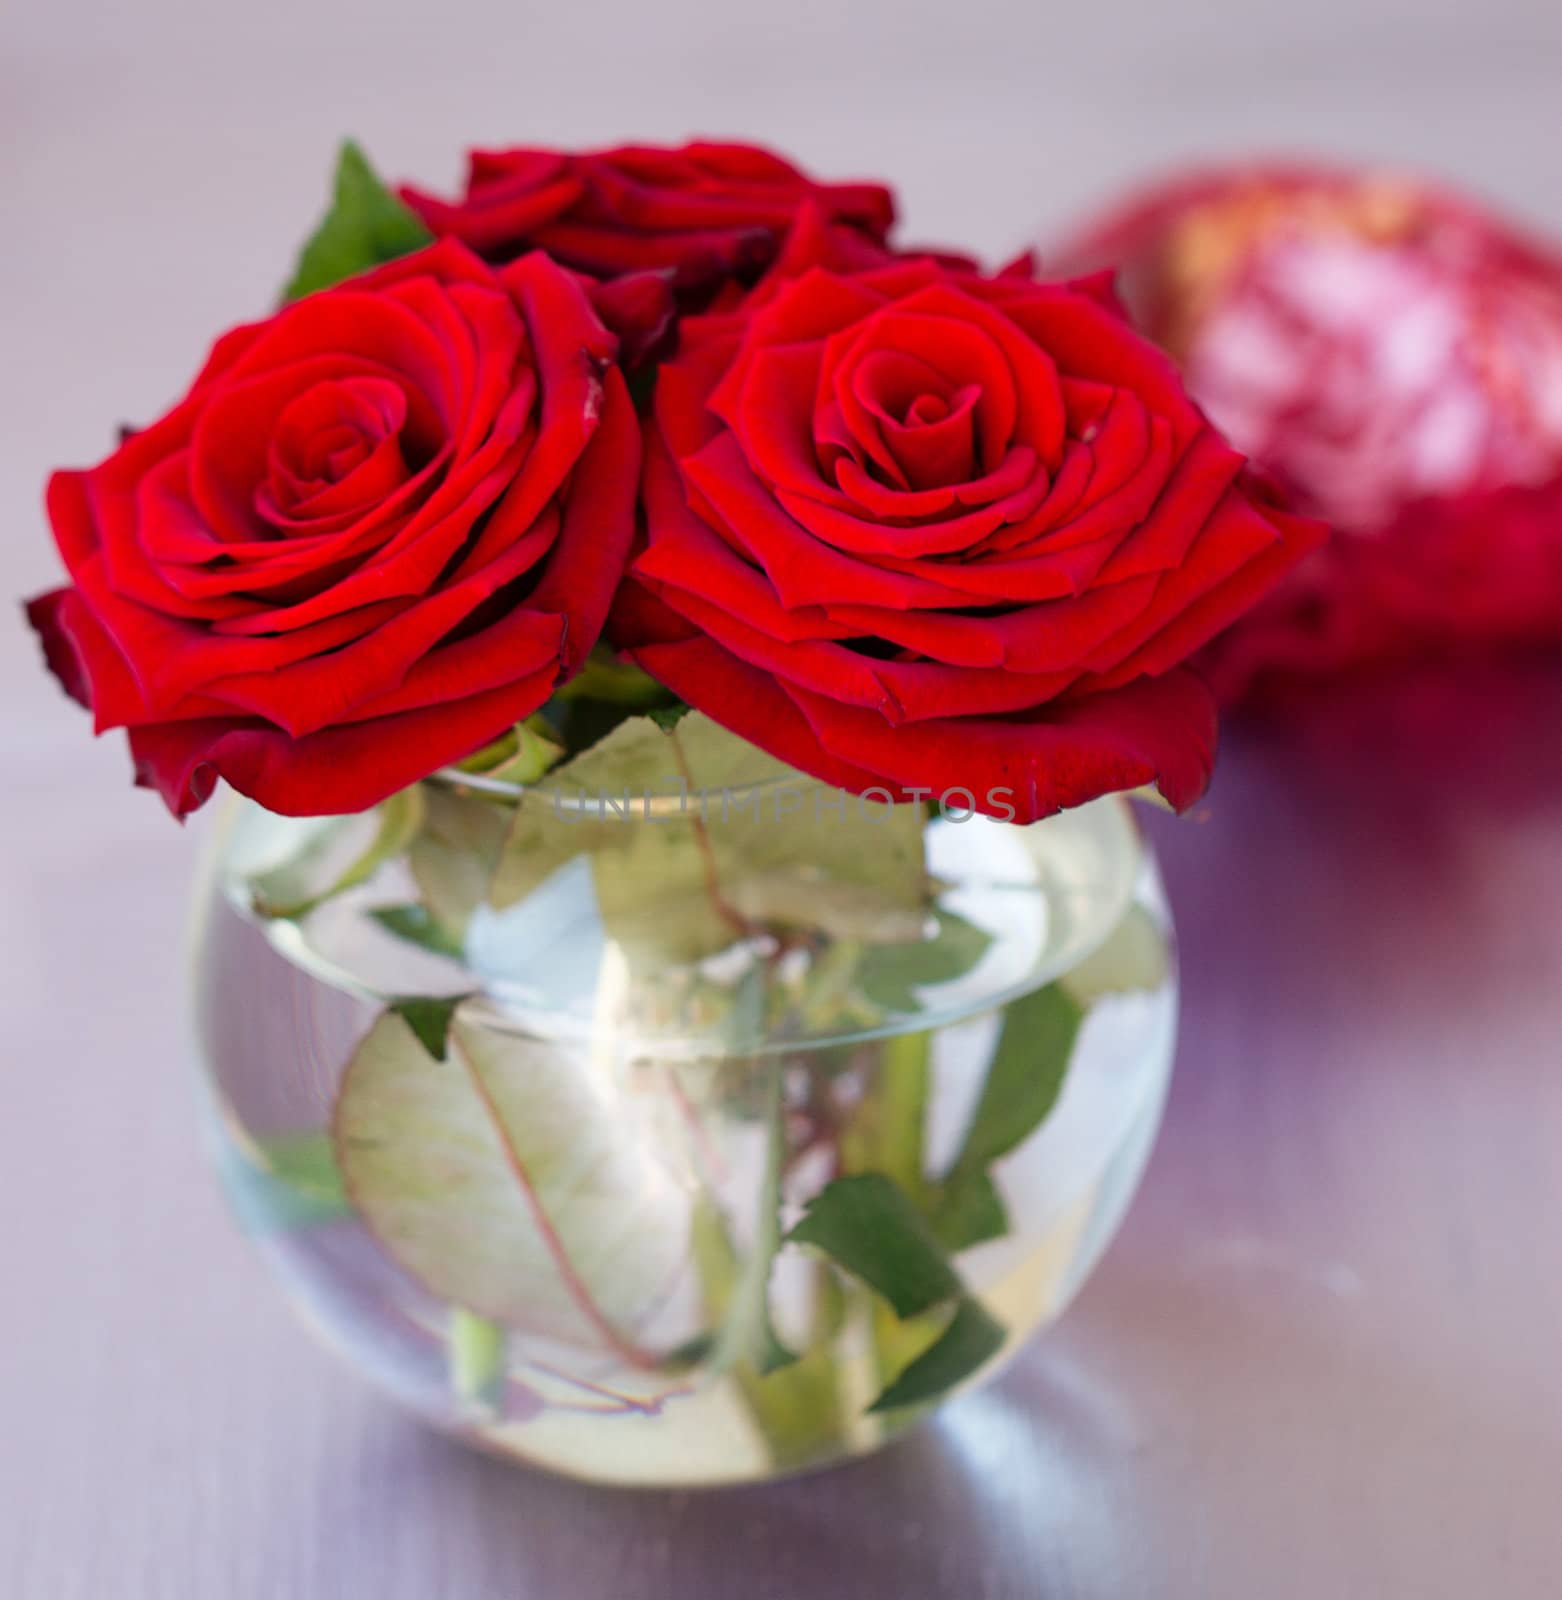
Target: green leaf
306, 1162
1024, 1079
429, 1018
535, 752
365, 227
890, 974
1151, 796
1025, 1075
971, 1340
454, 856
668, 717
283, 1182
966, 1209
413, 924
520, 756
491, 754
338, 856
677, 878
605, 677
641, 758
1134, 958
868, 1225
1027, 1072
871, 1227
515, 1180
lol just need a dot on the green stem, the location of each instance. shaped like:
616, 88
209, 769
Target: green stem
747, 1337
477, 1360
888, 1131
797, 1409
794, 1401
888, 1135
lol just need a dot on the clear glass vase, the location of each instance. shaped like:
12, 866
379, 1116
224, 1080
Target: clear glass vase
688, 1138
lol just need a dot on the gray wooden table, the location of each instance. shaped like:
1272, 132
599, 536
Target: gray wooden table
1323, 1357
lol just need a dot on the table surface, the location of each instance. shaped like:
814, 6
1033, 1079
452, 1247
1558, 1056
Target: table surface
1322, 1359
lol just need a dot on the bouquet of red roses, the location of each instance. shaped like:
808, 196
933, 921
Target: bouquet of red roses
614, 592
902, 523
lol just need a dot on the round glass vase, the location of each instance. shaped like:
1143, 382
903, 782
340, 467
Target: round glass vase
685, 1138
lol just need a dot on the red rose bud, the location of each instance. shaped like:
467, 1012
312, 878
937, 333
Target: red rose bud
378, 531
912, 529
704, 212
1392, 355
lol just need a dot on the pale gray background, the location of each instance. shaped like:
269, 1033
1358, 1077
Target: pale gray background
1323, 1360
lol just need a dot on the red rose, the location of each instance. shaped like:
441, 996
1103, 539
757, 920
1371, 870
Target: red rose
918, 529
706, 212
1393, 355
378, 530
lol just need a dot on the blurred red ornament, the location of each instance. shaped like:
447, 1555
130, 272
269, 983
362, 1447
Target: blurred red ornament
1392, 355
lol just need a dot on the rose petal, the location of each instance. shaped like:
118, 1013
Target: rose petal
1159, 731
